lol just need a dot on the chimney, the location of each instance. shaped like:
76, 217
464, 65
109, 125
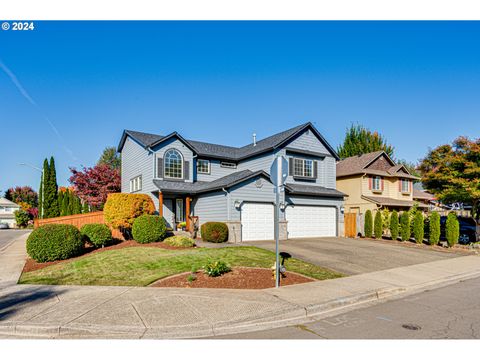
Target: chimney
254, 139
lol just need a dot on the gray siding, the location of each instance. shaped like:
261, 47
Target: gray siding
216, 171
249, 192
178, 145
261, 162
308, 141
137, 161
210, 207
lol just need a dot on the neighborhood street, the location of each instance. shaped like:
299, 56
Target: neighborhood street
8, 236
451, 312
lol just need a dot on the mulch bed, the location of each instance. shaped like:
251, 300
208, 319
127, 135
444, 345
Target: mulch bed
458, 248
238, 278
32, 265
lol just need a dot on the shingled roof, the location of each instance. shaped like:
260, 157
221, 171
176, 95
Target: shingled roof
357, 165
228, 152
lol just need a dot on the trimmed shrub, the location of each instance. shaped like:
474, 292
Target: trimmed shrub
368, 224
378, 226
216, 232
405, 226
418, 228
216, 268
394, 225
54, 242
452, 229
434, 228
121, 210
149, 228
98, 235
179, 241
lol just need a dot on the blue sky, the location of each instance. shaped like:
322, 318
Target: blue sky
417, 83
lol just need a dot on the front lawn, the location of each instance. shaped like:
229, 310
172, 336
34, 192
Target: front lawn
140, 266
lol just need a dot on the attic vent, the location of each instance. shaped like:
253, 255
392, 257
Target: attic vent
259, 183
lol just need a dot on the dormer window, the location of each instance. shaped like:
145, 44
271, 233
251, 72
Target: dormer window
173, 164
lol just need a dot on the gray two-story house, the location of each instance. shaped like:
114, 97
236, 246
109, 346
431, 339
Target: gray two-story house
194, 181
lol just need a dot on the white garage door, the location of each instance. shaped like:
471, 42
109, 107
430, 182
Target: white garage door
311, 221
257, 221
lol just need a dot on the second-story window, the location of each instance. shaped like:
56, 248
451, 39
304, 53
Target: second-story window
173, 164
302, 167
377, 183
405, 185
203, 166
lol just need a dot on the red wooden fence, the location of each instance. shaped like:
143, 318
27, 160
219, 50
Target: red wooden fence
78, 221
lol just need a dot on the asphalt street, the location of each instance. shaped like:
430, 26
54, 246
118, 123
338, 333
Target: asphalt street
7, 236
451, 312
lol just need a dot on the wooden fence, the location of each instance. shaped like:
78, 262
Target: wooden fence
350, 222
78, 221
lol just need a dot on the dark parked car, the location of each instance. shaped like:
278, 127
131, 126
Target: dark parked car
468, 230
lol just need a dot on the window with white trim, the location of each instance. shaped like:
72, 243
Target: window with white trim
229, 165
377, 183
203, 166
173, 164
136, 184
405, 186
302, 167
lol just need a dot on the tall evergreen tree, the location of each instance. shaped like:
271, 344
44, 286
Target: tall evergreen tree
41, 191
50, 201
110, 157
360, 140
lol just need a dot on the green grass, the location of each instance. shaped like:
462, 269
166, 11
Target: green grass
140, 266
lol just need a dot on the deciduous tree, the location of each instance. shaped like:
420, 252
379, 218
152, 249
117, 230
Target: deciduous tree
22, 194
359, 140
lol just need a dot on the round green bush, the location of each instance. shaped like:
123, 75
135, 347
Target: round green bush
54, 242
368, 224
179, 241
216, 232
96, 234
149, 228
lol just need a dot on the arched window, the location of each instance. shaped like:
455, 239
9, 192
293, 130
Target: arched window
173, 164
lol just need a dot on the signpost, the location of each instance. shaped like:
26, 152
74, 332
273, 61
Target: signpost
278, 176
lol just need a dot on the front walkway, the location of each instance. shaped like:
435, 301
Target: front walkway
135, 312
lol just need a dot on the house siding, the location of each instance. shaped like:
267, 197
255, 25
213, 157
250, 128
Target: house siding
137, 161
260, 162
216, 171
210, 207
249, 192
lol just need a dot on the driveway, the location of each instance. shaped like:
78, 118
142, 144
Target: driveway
354, 256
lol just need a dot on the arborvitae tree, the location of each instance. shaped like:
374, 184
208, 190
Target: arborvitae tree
394, 225
77, 206
378, 226
71, 203
368, 224
359, 140
452, 229
51, 189
405, 226
434, 227
65, 211
41, 191
60, 202
418, 227
85, 208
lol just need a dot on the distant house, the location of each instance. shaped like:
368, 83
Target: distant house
373, 181
198, 181
7, 210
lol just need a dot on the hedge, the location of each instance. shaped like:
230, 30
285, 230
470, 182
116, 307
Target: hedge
121, 210
405, 226
368, 224
54, 242
149, 228
179, 241
434, 228
216, 232
418, 227
452, 229
394, 225
98, 235
378, 226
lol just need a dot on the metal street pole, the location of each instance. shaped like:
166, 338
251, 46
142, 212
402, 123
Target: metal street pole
43, 184
277, 222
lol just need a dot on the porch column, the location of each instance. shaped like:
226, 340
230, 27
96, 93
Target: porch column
187, 211
160, 203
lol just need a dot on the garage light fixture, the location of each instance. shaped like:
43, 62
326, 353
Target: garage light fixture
237, 204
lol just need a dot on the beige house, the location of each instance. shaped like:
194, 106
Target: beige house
374, 181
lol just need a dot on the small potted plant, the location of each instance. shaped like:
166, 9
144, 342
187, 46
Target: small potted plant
182, 226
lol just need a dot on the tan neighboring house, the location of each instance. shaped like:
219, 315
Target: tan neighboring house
7, 210
374, 181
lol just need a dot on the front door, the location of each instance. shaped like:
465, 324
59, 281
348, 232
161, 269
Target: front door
168, 213
179, 211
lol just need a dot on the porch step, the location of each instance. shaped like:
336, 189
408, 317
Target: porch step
182, 233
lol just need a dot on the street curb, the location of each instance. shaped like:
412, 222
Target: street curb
298, 314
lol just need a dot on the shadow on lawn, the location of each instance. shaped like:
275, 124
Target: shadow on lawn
18, 300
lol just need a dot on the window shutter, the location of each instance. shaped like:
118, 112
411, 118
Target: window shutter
186, 170
409, 185
290, 166
400, 185
370, 179
382, 184
160, 167
315, 169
